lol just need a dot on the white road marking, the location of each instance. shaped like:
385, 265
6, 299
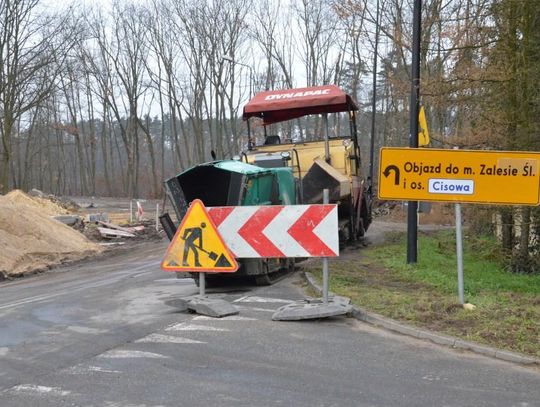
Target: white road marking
29, 300
102, 370
117, 404
32, 388
431, 378
158, 338
228, 318
79, 369
263, 300
126, 354
86, 330
97, 284
182, 326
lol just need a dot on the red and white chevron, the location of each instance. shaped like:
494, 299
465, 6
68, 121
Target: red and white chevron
278, 231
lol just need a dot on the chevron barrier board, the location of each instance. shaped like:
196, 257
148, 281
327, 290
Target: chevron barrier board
278, 230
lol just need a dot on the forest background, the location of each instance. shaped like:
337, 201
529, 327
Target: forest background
113, 100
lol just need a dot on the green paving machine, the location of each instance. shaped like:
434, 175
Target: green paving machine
234, 183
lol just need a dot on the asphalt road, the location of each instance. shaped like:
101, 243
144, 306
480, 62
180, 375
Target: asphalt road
104, 333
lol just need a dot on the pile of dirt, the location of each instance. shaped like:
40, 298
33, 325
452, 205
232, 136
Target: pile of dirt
63, 202
30, 240
42, 204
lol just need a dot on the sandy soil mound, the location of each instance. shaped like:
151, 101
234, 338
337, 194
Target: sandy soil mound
30, 240
44, 205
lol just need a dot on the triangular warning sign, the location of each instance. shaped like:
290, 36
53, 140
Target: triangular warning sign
197, 245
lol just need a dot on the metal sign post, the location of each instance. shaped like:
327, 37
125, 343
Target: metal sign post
157, 217
202, 284
459, 250
326, 199
459, 253
412, 208
325, 280
315, 308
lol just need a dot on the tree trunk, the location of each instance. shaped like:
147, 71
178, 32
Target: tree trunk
6, 156
507, 221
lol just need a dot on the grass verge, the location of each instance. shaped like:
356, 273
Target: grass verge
507, 313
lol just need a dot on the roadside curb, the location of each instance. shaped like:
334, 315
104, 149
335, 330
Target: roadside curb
440, 339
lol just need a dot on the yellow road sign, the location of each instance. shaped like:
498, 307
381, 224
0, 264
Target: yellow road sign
423, 134
491, 177
197, 245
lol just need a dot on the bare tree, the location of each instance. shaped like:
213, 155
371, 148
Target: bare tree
32, 47
353, 41
122, 73
164, 43
225, 37
318, 25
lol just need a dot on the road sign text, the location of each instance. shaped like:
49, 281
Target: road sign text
498, 177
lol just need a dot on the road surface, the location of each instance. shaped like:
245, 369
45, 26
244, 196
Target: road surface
104, 333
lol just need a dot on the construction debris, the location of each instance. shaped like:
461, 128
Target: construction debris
66, 204
133, 229
69, 220
97, 217
31, 240
99, 231
111, 233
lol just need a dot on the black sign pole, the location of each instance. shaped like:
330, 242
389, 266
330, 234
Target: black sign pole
412, 208
374, 102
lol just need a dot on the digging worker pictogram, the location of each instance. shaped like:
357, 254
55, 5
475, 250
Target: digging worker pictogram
198, 234
190, 236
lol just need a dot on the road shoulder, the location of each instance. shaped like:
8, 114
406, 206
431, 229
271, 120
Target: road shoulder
440, 339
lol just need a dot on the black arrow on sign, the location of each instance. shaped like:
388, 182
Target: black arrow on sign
394, 168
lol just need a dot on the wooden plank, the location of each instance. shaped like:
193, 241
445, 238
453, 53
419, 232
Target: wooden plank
117, 227
106, 232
